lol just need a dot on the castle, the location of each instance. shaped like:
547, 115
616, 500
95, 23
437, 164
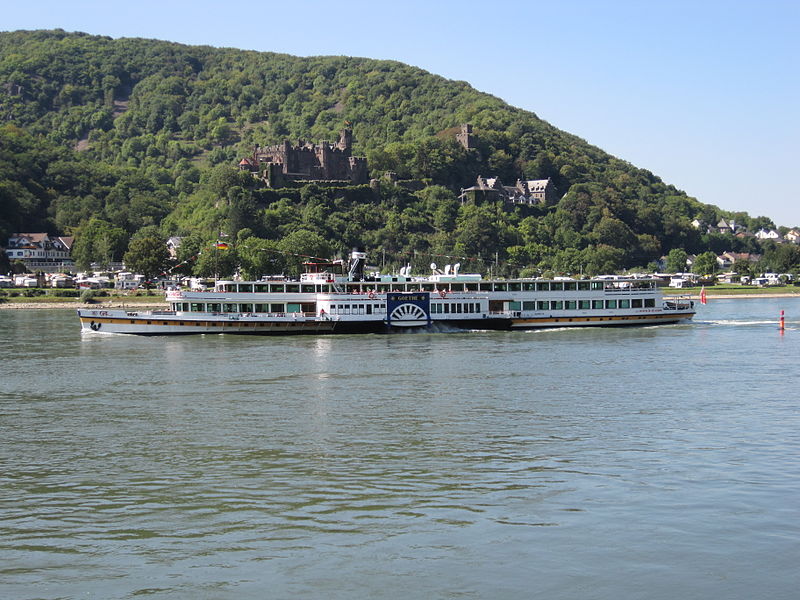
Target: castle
306, 161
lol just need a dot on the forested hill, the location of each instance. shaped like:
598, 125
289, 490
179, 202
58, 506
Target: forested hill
109, 139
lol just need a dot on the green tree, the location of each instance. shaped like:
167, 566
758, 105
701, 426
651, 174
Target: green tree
676, 260
705, 264
148, 256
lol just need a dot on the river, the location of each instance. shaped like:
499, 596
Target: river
656, 462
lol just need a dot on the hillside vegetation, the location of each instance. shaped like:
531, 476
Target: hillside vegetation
112, 140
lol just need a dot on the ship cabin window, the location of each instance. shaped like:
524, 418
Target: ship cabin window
597, 285
597, 304
246, 308
636, 303
369, 309
556, 305
611, 304
197, 307
277, 288
456, 287
384, 287
528, 286
500, 287
472, 287
624, 303
246, 288
514, 286
649, 302
583, 286
213, 307
261, 288
277, 308
570, 286
261, 308
557, 286
486, 287
584, 304
307, 288
427, 287
570, 305
292, 288
529, 305
542, 305
230, 308
185, 306
447, 307
542, 286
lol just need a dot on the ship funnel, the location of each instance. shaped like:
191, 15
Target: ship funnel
358, 259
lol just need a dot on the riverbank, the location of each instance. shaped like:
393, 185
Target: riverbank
38, 303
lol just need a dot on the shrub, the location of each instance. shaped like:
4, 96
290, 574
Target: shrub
87, 296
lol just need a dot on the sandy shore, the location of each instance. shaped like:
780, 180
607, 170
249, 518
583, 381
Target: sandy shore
77, 305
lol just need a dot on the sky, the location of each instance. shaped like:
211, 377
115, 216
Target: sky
703, 93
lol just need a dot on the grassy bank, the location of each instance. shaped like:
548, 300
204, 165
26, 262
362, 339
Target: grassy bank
40, 298
730, 290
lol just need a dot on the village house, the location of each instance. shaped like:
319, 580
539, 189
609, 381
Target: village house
535, 191
306, 161
769, 234
40, 251
792, 236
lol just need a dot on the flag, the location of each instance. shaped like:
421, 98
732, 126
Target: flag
703, 298
221, 246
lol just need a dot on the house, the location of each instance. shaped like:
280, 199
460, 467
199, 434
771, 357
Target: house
534, 191
793, 236
769, 234
40, 251
726, 227
728, 259
173, 244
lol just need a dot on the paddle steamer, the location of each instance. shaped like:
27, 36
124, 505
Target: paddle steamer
334, 297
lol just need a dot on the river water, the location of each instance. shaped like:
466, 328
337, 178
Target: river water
658, 462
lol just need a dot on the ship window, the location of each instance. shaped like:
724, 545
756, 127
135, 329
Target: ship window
649, 302
369, 309
636, 303
308, 289
278, 288
472, 287
624, 303
447, 307
542, 305
229, 308
570, 286
246, 308
456, 287
514, 286
196, 307
611, 304
584, 304
542, 286
514, 306
583, 285
529, 305
528, 286
292, 288
597, 304
428, 287
261, 308
261, 288
557, 305
213, 307
597, 285
277, 308
557, 286
486, 287
570, 305
246, 288
500, 287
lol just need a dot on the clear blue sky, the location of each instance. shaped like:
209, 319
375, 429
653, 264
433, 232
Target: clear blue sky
703, 93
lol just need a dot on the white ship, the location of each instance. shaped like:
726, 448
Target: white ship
326, 299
